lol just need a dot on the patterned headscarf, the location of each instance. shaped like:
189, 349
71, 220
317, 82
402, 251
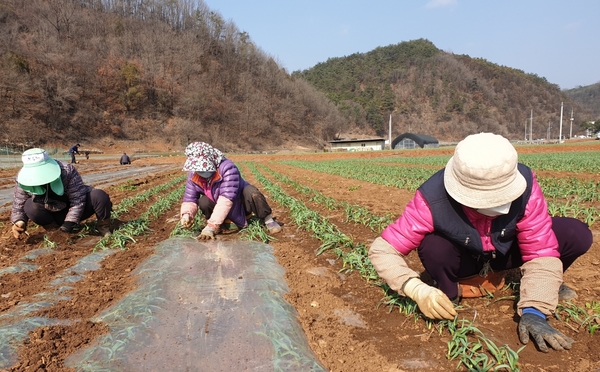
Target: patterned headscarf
202, 157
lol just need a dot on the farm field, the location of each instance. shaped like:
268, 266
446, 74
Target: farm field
333, 206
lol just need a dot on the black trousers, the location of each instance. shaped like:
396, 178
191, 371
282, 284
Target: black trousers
96, 202
254, 203
447, 263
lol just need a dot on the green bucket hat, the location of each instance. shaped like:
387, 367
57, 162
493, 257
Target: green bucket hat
38, 168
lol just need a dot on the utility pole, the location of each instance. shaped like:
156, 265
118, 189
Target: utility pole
531, 127
390, 132
560, 128
571, 128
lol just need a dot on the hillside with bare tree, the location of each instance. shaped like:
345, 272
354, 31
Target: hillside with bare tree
588, 97
172, 71
429, 91
79, 70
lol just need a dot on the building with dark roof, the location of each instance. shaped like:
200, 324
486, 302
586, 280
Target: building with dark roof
366, 144
412, 141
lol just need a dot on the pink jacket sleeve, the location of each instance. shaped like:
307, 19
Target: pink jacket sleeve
534, 230
219, 214
407, 232
188, 208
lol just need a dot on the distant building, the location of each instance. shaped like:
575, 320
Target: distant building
370, 144
412, 141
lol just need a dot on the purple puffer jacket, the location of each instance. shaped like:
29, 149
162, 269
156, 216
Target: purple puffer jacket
228, 183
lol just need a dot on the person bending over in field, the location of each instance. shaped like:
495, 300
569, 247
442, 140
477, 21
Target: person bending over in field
73, 150
215, 185
483, 213
124, 159
52, 194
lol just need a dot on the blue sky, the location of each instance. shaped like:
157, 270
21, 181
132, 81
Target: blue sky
558, 40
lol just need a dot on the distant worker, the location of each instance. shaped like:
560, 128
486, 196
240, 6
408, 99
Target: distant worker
125, 159
216, 187
52, 194
87, 155
74, 150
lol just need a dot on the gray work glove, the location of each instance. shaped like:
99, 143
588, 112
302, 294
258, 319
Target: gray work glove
534, 324
207, 233
186, 221
19, 229
69, 226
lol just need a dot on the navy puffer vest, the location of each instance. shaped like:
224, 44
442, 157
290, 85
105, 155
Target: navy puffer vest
450, 220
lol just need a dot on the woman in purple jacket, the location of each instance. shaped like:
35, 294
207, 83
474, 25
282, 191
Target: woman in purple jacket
215, 185
483, 212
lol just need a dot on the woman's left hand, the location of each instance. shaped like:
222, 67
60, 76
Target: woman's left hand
208, 233
68, 226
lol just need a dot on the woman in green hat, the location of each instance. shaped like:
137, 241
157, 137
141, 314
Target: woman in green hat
52, 194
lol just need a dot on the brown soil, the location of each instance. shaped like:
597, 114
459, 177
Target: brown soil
388, 340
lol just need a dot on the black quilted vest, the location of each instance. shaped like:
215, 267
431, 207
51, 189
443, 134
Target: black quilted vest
450, 221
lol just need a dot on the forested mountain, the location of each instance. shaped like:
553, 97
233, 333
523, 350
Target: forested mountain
587, 97
429, 91
153, 70
175, 71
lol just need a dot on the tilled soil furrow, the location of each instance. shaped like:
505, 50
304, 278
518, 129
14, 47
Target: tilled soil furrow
341, 314
49, 345
344, 307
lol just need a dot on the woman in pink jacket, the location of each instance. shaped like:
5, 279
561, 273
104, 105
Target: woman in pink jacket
483, 213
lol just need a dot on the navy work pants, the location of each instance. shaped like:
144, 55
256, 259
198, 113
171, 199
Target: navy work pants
447, 263
97, 202
254, 203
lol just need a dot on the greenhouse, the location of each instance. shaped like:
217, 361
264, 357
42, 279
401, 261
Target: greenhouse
412, 141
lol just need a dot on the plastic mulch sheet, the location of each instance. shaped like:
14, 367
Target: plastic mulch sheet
215, 306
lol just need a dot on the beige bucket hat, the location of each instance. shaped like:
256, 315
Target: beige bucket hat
483, 172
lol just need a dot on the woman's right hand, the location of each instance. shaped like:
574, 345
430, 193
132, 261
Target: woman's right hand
19, 229
432, 302
186, 221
